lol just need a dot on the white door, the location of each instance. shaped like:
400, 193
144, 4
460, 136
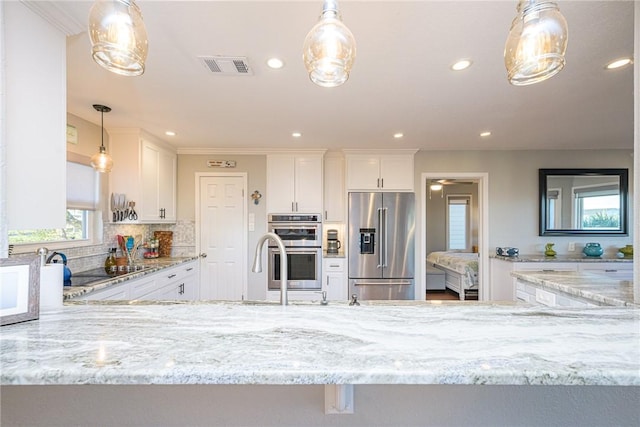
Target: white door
222, 234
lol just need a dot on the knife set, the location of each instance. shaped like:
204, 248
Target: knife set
122, 209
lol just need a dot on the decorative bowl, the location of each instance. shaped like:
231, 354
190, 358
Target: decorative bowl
593, 250
507, 251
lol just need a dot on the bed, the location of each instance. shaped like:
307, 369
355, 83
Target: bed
461, 270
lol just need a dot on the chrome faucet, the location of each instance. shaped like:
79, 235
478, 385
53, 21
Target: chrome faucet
257, 263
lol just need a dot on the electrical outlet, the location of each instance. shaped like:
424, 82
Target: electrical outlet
572, 247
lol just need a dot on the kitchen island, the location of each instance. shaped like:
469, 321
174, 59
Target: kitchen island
464, 356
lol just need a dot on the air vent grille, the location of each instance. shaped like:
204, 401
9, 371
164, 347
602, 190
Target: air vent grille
227, 65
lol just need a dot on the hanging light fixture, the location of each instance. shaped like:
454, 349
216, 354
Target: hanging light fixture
329, 49
101, 161
536, 44
436, 186
118, 36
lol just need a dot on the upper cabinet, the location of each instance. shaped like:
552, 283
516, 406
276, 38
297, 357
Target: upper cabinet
145, 169
294, 183
334, 199
380, 172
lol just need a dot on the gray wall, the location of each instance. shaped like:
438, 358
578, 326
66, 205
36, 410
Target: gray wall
255, 166
303, 405
513, 190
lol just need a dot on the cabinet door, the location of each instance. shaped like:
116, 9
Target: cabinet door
308, 184
396, 173
149, 208
335, 279
167, 176
363, 172
280, 185
334, 200
117, 292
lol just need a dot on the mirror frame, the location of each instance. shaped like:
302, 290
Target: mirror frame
622, 174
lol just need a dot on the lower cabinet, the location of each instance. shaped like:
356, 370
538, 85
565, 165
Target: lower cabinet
335, 279
532, 294
503, 285
175, 283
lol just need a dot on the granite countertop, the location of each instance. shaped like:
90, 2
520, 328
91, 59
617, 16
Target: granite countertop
595, 287
307, 343
577, 257
149, 266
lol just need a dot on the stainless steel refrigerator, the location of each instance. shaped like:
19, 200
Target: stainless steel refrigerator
381, 246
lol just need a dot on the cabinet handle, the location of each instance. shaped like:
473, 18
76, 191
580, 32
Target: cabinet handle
190, 268
334, 265
610, 271
381, 182
378, 183
171, 276
293, 209
181, 289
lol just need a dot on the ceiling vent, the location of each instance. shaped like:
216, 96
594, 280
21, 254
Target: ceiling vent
227, 65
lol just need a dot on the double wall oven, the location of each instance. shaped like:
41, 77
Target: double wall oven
302, 237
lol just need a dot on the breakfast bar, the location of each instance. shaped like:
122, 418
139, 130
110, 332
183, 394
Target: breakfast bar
105, 344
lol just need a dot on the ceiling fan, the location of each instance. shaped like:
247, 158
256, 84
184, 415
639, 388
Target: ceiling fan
436, 184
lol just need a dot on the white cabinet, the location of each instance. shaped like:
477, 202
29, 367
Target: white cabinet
335, 279
145, 170
388, 172
158, 184
115, 292
534, 294
617, 270
294, 183
503, 285
175, 283
334, 198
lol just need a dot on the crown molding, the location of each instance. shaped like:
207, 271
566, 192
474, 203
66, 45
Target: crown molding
248, 151
380, 151
55, 14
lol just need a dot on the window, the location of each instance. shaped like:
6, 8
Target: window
83, 185
458, 222
597, 207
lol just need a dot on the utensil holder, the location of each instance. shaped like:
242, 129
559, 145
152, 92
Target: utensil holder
165, 240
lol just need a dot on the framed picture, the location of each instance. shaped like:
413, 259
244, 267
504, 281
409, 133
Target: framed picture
19, 289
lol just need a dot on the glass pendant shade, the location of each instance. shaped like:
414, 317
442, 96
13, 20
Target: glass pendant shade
102, 162
329, 49
118, 36
537, 43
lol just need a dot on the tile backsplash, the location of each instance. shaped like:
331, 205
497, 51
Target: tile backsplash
89, 257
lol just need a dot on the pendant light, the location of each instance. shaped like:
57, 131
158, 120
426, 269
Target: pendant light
329, 48
536, 44
118, 36
101, 161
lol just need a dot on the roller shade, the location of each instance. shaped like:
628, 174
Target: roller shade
82, 186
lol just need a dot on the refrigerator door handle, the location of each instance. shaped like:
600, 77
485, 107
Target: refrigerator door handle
399, 282
381, 240
384, 217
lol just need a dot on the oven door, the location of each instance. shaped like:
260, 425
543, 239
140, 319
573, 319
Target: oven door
292, 234
303, 269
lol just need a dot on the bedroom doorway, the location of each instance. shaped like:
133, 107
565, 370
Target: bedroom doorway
454, 204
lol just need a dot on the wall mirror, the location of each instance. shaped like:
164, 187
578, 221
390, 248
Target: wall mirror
588, 202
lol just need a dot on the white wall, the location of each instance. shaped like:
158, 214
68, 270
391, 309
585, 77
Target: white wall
34, 72
256, 168
303, 405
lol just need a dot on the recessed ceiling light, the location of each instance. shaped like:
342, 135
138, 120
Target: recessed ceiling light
485, 134
461, 65
170, 133
398, 135
296, 134
275, 63
618, 63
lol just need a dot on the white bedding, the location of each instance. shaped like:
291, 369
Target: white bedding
464, 263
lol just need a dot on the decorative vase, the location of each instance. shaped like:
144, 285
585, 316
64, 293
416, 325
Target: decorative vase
593, 250
627, 251
548, 249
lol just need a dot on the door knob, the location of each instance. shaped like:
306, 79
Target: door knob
203, 255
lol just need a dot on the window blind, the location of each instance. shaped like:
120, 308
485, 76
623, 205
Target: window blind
82, 186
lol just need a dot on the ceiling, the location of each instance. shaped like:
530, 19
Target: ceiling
401, 80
